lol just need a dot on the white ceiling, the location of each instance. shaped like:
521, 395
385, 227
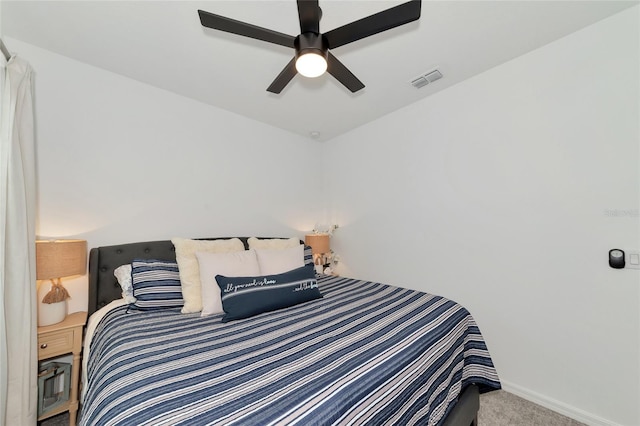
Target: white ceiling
162, 43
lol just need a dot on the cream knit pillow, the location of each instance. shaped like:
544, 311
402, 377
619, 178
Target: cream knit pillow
189, 270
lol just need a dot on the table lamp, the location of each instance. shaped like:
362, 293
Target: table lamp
56, 259
320, 248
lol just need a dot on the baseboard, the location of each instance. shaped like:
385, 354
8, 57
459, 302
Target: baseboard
557, 406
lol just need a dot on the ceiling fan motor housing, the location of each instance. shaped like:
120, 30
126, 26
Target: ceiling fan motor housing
310, 42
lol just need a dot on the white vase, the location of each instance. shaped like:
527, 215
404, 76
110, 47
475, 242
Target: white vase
50, 313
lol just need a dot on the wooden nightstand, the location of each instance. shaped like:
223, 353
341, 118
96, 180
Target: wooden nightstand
61, 339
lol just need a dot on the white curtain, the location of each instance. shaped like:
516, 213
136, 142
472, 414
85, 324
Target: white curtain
18, 319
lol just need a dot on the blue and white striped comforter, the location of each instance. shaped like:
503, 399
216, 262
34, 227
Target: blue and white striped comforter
367, 353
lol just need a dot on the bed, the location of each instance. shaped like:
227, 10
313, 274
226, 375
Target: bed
364, 353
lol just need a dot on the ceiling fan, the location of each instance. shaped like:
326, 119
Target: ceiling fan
312, 56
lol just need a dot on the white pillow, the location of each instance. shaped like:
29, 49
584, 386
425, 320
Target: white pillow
188, 266
236, 264
274, 262
123, 275
273, 243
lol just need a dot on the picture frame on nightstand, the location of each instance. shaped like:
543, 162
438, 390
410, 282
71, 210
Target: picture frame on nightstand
54, 386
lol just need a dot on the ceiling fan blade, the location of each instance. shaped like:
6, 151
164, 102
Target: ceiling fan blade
284, 77
374, 24
342, 74
229, 25
310, 14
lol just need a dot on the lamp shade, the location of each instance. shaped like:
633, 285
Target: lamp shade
319, 243
60, 258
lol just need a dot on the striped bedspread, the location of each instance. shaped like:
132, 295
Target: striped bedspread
366, 353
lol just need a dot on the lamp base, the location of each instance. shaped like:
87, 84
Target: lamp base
51, 313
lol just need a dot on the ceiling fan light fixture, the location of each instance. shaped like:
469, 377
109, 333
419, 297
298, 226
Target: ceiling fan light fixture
311, 54
311, 64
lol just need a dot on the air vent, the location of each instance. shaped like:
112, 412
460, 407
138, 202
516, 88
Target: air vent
419, 82
426, 78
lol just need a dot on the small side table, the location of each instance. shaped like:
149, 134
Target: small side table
60, 339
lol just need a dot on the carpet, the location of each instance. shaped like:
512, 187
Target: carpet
500, 408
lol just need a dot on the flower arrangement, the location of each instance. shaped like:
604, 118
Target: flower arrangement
325, 229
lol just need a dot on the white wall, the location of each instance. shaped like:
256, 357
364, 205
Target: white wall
502, 193
120, 161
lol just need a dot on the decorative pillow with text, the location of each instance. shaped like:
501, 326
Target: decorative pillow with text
243, 297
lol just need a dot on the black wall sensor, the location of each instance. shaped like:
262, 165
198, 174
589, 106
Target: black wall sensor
616, 258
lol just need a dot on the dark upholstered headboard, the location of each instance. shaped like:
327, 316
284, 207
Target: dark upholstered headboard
103, 286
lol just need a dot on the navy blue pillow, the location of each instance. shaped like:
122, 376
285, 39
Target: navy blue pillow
308, 256
156, 284
243, 297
